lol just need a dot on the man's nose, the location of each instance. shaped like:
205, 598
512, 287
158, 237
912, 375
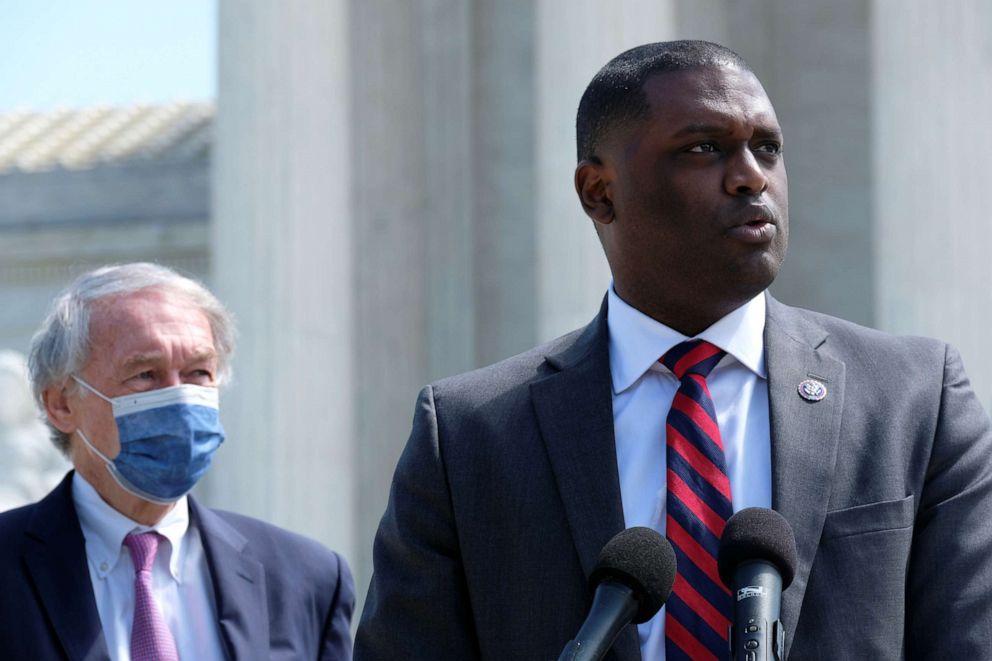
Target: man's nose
744, 175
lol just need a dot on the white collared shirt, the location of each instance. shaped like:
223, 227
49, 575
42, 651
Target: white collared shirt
643, 390
180, 576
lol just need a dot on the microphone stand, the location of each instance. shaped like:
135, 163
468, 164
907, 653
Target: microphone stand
613, 606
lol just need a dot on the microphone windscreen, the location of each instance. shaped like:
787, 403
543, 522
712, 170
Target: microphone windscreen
642, 560
757, 533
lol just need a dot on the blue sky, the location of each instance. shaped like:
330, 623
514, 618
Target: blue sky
76, 53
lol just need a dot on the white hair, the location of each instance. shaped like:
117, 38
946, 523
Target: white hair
61, 346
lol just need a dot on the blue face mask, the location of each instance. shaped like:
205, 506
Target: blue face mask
167, 438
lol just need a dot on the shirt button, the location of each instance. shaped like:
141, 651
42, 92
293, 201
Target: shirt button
103, 566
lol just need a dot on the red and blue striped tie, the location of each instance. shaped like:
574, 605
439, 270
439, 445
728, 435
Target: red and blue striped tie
699, 504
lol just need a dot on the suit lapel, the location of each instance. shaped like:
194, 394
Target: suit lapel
55, 556
239, 586
804, 437
574, 408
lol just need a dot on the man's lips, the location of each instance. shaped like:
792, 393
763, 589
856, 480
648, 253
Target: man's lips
757, 227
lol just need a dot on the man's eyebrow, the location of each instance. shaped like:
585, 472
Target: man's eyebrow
203, 354
712, 129
142, 359
693, 129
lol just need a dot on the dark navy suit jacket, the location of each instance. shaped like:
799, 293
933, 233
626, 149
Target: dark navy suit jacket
278, 595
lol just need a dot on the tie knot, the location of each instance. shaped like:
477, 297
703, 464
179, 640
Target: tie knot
143, 547
692, 357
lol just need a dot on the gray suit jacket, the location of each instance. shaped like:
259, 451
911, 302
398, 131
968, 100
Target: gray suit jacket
508, 489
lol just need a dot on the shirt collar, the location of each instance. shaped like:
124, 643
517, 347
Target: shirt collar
637, 341
104, 529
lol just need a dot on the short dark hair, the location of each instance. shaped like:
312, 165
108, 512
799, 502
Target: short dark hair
616, 96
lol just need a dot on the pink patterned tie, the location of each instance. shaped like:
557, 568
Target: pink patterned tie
151, 639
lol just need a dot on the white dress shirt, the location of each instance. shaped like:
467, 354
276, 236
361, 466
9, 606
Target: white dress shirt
643, 390
180, 576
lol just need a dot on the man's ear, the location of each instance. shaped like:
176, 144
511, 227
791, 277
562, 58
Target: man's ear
593, 186
57, 407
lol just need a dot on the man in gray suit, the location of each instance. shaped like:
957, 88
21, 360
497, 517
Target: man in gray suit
873, 447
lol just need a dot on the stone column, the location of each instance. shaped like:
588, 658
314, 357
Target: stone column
932, 78
282, 259
392, 239
574, 39
503, 159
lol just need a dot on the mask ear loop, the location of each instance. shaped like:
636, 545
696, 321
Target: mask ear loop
89, 445
93, 449
92, 389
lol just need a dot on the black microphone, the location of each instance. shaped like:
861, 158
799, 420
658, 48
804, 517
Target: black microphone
633, 577
757, 561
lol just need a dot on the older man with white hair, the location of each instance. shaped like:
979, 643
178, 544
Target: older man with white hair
118, 561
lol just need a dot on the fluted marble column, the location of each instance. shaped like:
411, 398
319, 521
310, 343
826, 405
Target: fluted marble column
933, 89
282, 259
